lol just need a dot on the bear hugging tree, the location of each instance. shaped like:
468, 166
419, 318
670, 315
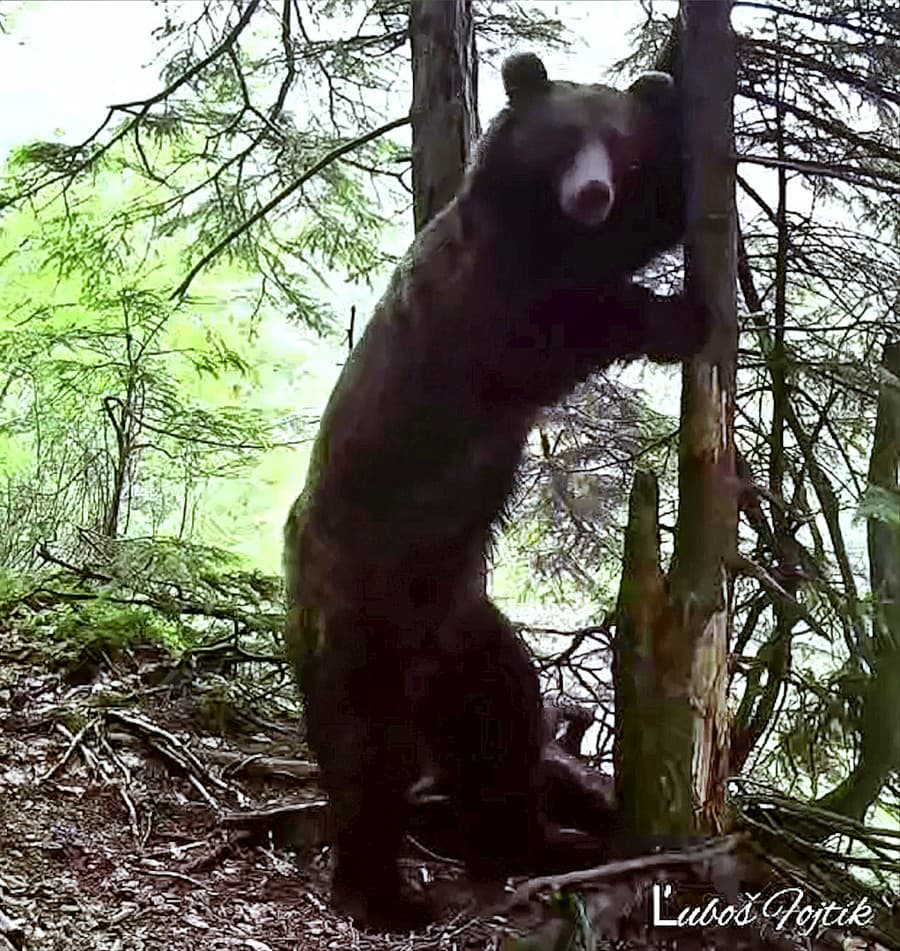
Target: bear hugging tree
517, 291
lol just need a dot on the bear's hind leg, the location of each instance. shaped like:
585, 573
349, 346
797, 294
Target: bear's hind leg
486, 728
489, 735
369, 823
366, 746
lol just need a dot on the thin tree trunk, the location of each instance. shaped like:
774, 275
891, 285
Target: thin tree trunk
879, 753
706, 534
444, 112
683, 635
118, 412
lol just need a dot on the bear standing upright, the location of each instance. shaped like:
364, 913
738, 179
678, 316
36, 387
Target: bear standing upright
518, 290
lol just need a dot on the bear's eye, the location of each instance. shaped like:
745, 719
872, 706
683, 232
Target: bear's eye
626, 155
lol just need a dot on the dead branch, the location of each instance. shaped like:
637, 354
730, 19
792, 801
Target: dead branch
258, 765
601, 873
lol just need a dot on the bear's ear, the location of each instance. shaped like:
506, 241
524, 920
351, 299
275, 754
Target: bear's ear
653, 87
524, 75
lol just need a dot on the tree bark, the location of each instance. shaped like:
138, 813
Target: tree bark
672, 742
652, 788
444, 111
706, 534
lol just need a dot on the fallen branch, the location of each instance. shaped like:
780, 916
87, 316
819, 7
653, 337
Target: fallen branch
614, 869
255, 764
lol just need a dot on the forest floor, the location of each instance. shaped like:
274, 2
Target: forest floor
138, 812
128, 823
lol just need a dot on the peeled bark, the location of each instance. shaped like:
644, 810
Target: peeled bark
672, 743
652, 787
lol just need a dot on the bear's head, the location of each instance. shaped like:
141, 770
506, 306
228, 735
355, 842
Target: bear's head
571, 156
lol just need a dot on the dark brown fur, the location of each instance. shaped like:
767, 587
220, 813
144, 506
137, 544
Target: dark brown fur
501, 307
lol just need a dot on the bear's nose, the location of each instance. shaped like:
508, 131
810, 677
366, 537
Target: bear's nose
592, 204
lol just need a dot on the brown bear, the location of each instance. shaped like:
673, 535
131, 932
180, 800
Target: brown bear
518, 290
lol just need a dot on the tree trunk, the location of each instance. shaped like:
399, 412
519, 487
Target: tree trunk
672, 659
444, 112
879, 752
648, 781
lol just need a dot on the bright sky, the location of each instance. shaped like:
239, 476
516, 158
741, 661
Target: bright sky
62, 61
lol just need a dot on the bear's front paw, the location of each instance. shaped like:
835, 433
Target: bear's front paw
683, 331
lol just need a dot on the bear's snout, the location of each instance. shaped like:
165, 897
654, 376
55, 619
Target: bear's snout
586, 192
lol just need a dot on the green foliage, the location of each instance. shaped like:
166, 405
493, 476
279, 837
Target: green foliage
99, 626
95, 631
53, 156
126, 592
815, 738
14, 588
119, 406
